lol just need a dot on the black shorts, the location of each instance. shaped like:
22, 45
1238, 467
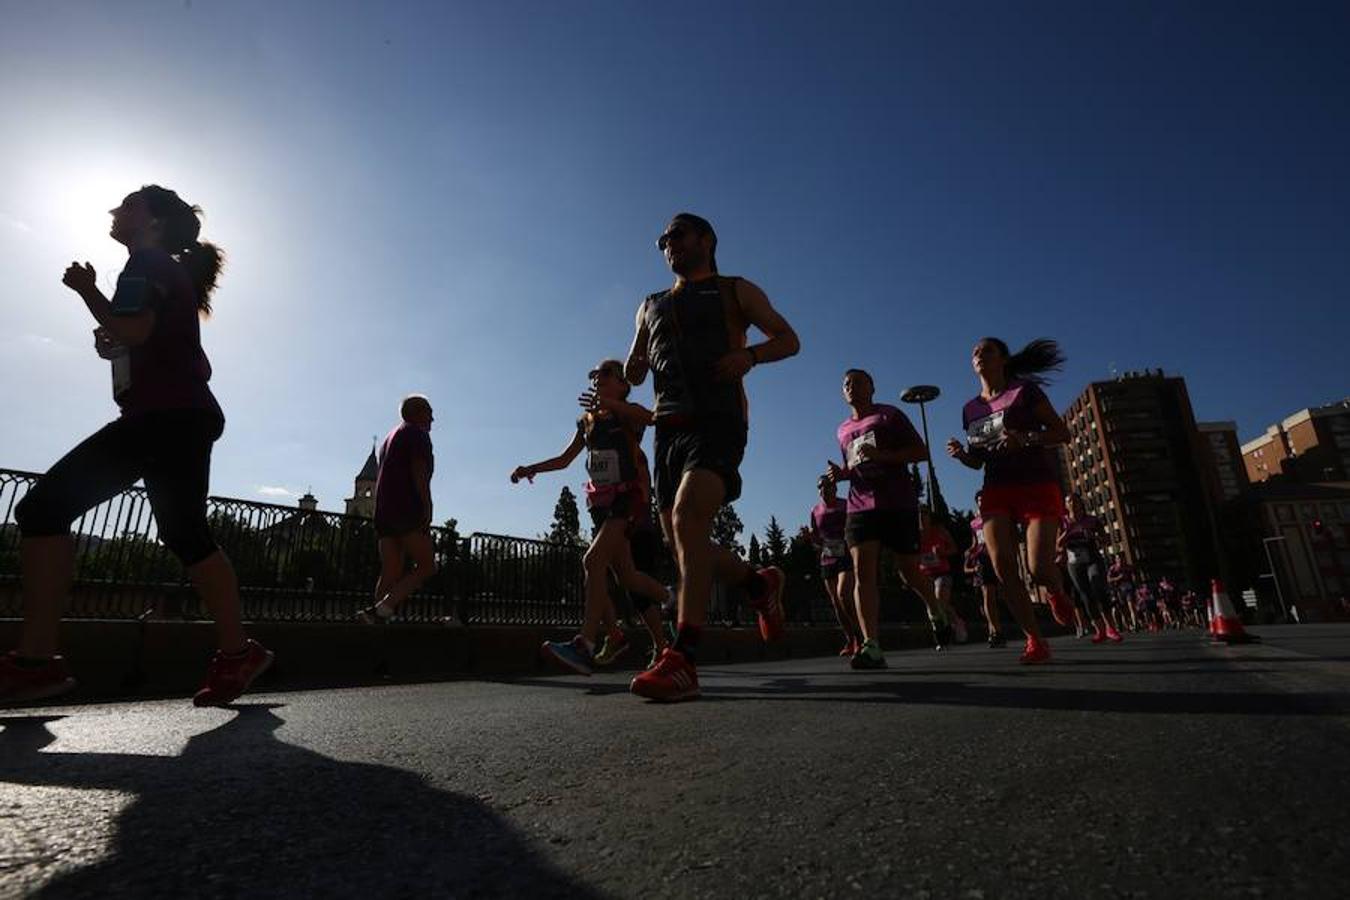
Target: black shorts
715, 445
834, 567
169, 449
896, 529
984, 572
621, 508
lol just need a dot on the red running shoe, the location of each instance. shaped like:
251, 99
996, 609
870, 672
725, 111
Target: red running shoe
671, 679
1034, 653
24, 684
847, 649
1099, 635
1112, 635
1061, 607
769, 604
229, 676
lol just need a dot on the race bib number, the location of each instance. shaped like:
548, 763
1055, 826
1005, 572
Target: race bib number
121, 374
986, 432
866, 439
603, 467
835, 548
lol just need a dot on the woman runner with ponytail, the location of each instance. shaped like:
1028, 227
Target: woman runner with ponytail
150, 332
1011, 429
617, 495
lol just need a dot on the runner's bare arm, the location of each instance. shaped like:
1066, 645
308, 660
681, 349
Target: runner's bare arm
635, 367
759, 312
635, 414
129, 330
958, 451
561, 461
1053, 430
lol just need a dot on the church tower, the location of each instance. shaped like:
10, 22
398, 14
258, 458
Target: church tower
362, 501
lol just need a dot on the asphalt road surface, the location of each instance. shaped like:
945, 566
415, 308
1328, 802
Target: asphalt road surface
1162, 767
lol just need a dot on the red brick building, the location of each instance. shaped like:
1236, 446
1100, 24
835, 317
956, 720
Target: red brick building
1143, 468
1312, 445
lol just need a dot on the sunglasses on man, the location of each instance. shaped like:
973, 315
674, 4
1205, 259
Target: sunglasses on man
676, 233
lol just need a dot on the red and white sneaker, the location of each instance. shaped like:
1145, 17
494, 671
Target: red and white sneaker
768, 605
1112, 635
1034, 653
1061, 607
24, 684
671, 679
229, 676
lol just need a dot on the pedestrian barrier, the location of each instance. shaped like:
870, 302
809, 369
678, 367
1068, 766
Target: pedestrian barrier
307, 565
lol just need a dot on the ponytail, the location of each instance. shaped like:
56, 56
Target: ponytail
203, 260
180, 224
1032, 361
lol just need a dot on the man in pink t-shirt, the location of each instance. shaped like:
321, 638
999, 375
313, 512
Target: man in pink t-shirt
403, 510
878, 444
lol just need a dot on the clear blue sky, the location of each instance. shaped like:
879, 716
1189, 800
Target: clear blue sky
461, 199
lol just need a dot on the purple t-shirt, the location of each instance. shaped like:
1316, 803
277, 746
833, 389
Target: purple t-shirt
169, 370
398, 505
987, 421
872, 485
827, 528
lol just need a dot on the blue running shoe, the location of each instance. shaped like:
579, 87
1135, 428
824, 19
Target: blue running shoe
571, 655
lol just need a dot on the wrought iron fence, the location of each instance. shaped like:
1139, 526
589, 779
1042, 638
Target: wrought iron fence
308, 565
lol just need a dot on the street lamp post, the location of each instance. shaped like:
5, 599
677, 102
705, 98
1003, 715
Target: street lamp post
923, 394
1274, 576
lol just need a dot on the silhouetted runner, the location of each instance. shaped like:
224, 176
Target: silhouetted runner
878, 443
403, 510
150, 333
617, 495
692, 338
1011, 430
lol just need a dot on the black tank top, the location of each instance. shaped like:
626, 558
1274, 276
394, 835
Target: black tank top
688, 331
612, 450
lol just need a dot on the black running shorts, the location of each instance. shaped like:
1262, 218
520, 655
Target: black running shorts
896, 529
832, 568
715, 445
621, 508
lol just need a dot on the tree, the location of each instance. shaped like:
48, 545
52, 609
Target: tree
726, 528
566, 527
756, 558
802, 556
775, 543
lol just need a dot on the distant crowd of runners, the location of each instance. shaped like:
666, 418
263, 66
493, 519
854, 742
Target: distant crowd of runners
692, 339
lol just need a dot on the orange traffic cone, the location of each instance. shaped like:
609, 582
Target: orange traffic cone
1224, 625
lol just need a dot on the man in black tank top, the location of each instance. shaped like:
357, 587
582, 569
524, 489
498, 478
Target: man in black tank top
692, 338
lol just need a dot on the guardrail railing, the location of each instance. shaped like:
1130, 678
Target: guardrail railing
303, 565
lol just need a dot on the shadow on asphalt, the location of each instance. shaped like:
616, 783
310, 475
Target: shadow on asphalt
955, 693
898, 688
242, 813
